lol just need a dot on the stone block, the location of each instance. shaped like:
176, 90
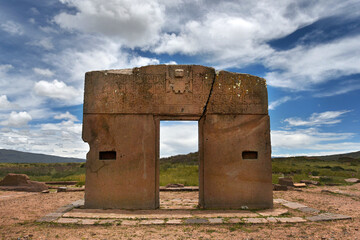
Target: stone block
196, 221
234, 220
328, 217
232, 178
291, 220
286, 181
174, 221
255, 220
215, 220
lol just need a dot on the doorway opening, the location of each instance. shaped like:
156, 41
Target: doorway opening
179, 164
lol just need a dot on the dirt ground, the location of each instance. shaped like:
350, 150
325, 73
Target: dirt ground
19, 211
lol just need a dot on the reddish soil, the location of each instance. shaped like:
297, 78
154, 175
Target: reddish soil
18, 212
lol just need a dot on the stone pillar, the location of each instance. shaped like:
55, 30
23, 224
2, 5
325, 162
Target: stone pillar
120, 167
236, 162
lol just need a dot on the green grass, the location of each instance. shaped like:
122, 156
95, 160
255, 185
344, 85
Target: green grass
302, 168
186, 173
45, 172
179, 173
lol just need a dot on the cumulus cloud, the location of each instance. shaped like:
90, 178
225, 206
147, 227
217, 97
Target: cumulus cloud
302, 67
135, 22
67, 116
17, 119
311, 142
12, 27
317, 119
99, 54
58, 90
4, 103
178, 138
43, 72
61, 139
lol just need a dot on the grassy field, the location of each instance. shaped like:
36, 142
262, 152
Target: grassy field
45, 172
184, 170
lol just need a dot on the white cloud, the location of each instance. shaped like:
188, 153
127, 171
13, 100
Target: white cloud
135, 22
317, 119
276, 103
178, 138
5, 67
12, 28
43, 72
311, 142
95, 53
4, 103
15, 119
302, 67
61, 139
235, 33
45, 43
67, 116
60, 91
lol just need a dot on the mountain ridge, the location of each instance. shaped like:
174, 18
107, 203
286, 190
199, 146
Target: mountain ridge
13, 156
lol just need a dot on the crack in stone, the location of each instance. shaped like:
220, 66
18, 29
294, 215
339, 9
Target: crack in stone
208, 100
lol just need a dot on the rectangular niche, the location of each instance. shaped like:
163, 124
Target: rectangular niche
107, 155
249, 155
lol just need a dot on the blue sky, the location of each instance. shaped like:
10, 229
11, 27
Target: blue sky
309, 52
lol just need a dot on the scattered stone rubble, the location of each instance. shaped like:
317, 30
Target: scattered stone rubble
21, 182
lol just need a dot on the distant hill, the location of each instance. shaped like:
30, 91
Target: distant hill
12, 156
340, 157
192, 158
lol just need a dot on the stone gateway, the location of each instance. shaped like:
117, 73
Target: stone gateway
122, 114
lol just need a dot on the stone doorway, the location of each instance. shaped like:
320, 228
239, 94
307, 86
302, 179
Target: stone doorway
178, 170
122, 114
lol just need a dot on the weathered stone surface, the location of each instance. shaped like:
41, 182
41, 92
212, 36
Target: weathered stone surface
238, 94
196, 221
229, 180
255, 220
279, 200
273, 212
175, 185
309, 182
21, 182
308, 210
68, 220
122, 113
294, 205
352, 180
234, 220
216, 220
299, 185
291, 220
174, 221
286, 181
149, 90
152, 222
278, 187
129, 180
328, 217
223, 213
272, 220
129, 223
